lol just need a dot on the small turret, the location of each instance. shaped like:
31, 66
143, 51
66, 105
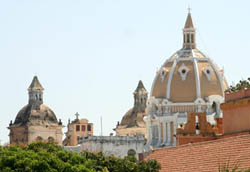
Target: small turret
189, 33
35, 92
140, 98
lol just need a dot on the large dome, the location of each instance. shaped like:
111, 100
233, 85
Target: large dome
188, 75
29, 115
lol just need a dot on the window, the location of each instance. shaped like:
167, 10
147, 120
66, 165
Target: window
89, 127
78, 128
192, 38
83, 128
187, 38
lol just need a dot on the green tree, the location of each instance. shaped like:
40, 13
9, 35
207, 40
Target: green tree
49, 157
243, 84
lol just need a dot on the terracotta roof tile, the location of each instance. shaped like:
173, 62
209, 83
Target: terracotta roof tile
205, 156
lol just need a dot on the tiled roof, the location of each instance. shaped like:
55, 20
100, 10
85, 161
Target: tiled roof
205, 156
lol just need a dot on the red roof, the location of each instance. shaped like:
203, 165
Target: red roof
205, 156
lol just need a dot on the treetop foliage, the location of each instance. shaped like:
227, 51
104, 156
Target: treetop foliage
49, 157
243, 84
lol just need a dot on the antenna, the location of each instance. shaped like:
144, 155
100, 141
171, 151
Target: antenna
101, 125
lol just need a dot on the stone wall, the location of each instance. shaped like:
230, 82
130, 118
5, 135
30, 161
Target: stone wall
112, 145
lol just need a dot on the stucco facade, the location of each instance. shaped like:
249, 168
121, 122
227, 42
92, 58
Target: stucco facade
76, 129
236, 112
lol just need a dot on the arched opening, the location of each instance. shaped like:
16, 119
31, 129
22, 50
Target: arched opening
131, 152
51, 139
39, 138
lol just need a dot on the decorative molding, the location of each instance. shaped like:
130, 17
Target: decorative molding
170, 79
208, 72
183, 70
163, 73
197, 79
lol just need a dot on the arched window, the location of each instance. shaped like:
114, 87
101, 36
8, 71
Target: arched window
192, 38
131, 152
188, 38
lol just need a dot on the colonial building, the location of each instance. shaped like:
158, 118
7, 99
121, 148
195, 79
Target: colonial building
76, 129
132, 123
186, 93
35, 121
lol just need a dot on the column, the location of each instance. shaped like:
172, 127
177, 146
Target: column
164, 132
169, 133
175, 127
159, 134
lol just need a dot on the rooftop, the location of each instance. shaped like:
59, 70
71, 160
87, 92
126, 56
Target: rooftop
205, 156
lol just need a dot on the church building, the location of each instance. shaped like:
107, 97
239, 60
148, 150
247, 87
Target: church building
186, 93
35, 121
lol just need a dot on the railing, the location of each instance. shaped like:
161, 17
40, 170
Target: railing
173, 108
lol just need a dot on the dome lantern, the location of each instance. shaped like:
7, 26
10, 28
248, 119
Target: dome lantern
189, 33
35, 92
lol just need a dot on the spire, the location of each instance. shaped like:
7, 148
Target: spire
189, 21
35, 84
140, 87
189, 33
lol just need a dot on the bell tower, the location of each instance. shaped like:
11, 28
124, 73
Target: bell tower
140, 98
35, 92
189, 33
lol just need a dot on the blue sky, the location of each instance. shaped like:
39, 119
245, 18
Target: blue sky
90, 54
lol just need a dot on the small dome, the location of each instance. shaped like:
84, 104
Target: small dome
133, 119
32, 115
188, 75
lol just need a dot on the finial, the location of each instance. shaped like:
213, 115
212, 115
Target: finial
189, 9
60, 122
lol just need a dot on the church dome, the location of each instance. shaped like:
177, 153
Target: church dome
29, 115
188, 74
35, 113
132, 122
